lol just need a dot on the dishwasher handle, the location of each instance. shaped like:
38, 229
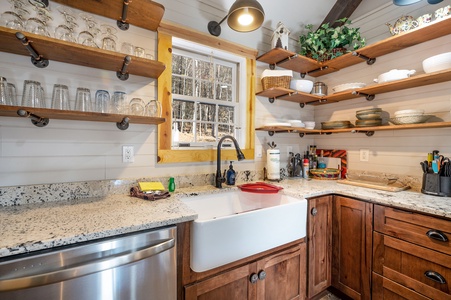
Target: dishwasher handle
85, 269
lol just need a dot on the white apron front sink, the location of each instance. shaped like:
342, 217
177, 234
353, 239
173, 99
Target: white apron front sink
233, 225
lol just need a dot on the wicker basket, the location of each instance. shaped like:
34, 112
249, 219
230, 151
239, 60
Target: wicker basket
276, 81
328, 173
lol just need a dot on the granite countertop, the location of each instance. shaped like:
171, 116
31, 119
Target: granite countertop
40, 226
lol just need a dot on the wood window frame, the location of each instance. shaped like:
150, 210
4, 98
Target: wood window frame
166, 31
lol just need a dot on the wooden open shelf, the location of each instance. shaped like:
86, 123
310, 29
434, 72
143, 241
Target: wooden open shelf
146, 14
300, 130
298, 63
72, 53
11, 111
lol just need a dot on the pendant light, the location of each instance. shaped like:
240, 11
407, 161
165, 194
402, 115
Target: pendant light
409, 2
243, 16
39, 3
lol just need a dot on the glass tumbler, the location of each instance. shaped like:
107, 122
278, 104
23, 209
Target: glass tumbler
83, 100
4, 91
136, 107
12, 95
153, 109
33, 94
118, 103
102, 101
60, 97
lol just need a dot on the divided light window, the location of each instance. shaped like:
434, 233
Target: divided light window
204, 99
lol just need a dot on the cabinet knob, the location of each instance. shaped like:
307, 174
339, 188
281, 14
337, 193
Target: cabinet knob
253, 278
261, 275
314, 211
434, 276
437, 235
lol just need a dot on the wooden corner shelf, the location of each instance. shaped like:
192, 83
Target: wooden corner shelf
72, 53
146, 14
11, 111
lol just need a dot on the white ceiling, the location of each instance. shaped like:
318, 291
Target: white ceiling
295, 14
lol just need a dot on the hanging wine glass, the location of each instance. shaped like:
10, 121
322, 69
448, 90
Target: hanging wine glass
66, 31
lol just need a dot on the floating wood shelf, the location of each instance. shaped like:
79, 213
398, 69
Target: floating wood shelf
72, 53
11, 111
298, 63
146, 14
271, 130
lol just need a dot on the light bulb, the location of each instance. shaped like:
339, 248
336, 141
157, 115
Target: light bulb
245, 17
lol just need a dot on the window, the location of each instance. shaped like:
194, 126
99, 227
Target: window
205, 95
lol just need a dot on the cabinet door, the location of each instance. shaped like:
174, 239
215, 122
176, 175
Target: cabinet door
319, 232
282, 275
386, 289
234, 284
351, 244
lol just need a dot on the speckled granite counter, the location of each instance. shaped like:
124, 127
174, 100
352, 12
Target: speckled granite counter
39, 226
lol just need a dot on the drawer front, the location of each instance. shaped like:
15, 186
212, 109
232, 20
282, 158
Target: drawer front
386, 289
420, 269
433, 233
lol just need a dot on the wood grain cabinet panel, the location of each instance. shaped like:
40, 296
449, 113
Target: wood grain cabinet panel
319, 233
352, 247
386, 289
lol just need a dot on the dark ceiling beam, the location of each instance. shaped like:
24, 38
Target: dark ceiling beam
341, 9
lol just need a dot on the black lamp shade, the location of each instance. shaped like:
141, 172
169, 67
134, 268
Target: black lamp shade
40, 3
245, 15
434, 1
405, 2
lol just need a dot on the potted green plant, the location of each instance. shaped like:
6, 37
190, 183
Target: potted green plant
328, 42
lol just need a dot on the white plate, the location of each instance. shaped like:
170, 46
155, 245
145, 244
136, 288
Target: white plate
296, 123
278, 124
348, 86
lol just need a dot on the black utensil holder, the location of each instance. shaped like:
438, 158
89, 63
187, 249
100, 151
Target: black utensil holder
434, 184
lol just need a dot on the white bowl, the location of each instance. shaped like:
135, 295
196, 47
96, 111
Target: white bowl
408, 112
437, 63
302, 85
393, 75
309, 124
296, 123
348, 86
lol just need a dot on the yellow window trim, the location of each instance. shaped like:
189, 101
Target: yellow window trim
165, 153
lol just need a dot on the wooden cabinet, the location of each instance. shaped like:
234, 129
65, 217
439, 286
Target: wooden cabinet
386, 289
351, 247
279, 276
319, 241
412, 250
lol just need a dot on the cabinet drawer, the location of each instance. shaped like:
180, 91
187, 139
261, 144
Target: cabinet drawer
427, 231
386, 289
420, 269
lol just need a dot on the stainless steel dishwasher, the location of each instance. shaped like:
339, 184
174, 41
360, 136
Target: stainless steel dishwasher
130, 267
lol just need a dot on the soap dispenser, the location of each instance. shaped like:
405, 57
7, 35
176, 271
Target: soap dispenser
231, 175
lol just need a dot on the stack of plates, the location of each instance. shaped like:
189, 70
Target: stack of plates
409, 116
369, 117
336, 124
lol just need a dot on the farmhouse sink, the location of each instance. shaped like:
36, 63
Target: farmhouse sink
235, 224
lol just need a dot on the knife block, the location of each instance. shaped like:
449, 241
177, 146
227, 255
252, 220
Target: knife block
434, 184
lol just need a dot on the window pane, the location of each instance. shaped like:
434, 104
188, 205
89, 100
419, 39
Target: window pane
185, 131
182, 86
204, 69
206, 112
223, 92
203, 89
182, 110
205, 132
182, 65
226, 114
223, 74
225, 130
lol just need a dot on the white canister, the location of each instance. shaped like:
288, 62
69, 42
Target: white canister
273, 164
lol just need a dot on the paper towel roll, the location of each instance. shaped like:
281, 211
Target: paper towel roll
273, 164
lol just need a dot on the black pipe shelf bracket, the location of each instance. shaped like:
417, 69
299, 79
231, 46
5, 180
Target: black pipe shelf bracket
273, 66
36, 58
369, 60
368, 97
122, 23
124, 124
36, 120
366, 132
122, 74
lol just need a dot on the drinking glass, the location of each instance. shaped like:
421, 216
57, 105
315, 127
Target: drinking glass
4, 91
87, 39
65, 33
109, 41
127, 48
118, 103
140, 52
102, 101
83, 99
153, 108
12, 20
33, 94
36, 26
60, 97
137, 106
12, 94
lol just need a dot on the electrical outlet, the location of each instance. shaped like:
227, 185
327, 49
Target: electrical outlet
364, 155
289, 149
128, 154
259, 151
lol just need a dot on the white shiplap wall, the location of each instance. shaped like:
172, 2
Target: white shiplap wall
77, 151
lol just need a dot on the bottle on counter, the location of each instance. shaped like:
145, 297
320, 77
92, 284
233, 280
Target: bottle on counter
321, 161
231, 175
305, 164
171, 185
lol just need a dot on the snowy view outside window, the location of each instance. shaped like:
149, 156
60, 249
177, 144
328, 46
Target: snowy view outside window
204, 105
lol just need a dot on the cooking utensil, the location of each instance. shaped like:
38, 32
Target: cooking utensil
424, 166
